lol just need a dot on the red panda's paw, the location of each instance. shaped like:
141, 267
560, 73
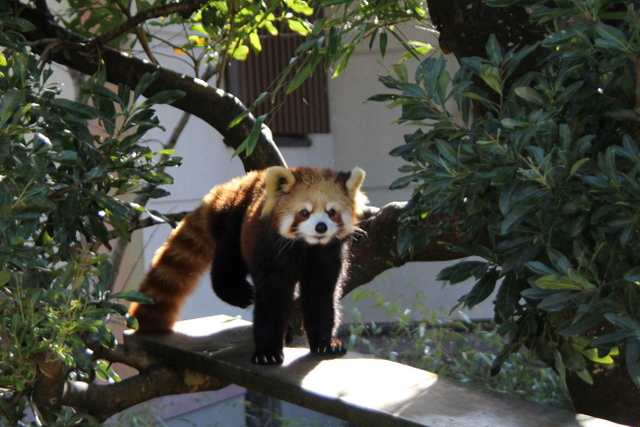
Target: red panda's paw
239, 294
333, 349
268, 357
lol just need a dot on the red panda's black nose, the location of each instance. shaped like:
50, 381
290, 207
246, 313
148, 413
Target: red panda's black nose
321, 227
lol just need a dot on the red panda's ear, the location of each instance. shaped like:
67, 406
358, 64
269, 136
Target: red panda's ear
277, 181
353, 187
355, 181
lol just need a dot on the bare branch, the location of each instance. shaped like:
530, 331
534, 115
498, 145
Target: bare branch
376, 251
125, 354
148, 222
103, 400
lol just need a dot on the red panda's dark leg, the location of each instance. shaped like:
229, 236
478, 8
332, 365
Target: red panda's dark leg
229, 272
320, 288
274, 275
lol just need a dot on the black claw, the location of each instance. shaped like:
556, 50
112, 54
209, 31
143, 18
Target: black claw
267, 358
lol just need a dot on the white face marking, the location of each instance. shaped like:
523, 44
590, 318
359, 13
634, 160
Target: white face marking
317, 225
313, 232
347, 221
285, 226
333, 205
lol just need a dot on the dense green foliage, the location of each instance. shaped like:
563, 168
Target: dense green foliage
65, 167
549, 165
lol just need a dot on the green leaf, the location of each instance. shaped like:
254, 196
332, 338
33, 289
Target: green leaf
530, 95
254, 41
76, 110
579, 324
249, 144
508, 296
164, 97
104, 92
10, 102
133, 296
20, 24
403, 75
96, 173
580, 344
560, 262
577, 165
241, 52
622, 322
494, 51
114, 206
611, 37
613, 339
300, 78
556, 282
158, 178
144, 82
382, 42
460, 271
633, 275
5, 276
66, 157
491, 76
633, 359
298, 27
401, 182
481, 290
517, 216
506, 195
556, 301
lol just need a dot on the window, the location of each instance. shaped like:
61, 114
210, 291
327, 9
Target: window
304, 111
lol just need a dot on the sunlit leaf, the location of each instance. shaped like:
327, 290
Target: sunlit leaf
298, 27
254, 41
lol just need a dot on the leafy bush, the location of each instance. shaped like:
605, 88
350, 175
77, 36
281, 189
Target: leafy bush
457, 348
548, 167
64, 167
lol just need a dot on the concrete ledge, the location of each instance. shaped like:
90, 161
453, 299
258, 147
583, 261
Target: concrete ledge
360, 389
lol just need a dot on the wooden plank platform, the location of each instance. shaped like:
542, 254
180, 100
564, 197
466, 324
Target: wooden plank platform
360, 389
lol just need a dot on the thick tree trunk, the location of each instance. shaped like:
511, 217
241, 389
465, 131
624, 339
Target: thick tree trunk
465, 27
612, 396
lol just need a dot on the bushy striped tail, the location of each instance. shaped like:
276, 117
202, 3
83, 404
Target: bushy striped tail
175, 271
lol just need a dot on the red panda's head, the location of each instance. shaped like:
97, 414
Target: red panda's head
316, 205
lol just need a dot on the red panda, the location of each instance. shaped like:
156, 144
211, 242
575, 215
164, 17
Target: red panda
283, 227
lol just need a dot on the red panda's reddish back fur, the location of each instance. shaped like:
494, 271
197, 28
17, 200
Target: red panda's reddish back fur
178, 265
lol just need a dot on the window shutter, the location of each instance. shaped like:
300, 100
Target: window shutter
305, 110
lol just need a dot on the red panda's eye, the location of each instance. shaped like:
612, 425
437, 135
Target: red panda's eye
304, 213
331, 212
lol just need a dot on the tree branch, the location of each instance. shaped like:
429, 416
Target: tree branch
130, 356
155, 379
377, 251
215, 106
183, 7
106, 400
